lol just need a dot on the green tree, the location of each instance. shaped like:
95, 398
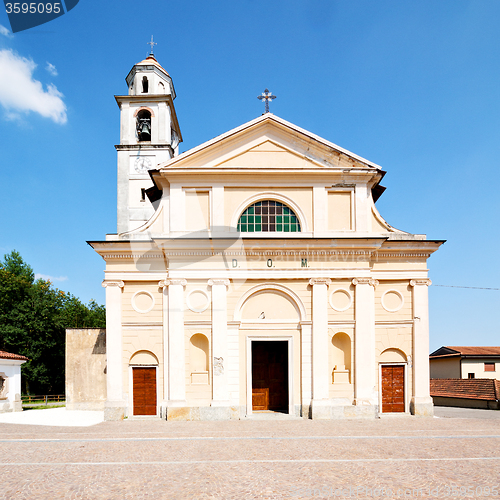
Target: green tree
33, 319
14, 264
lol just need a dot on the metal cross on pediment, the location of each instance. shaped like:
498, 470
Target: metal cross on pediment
152, 45
266, 96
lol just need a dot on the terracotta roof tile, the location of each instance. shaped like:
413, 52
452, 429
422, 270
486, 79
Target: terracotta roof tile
152, 60
9, 355
476, 388
477, 350
466, 351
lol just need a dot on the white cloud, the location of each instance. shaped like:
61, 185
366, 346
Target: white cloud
5, 32
20, 93
51, 69
46, 277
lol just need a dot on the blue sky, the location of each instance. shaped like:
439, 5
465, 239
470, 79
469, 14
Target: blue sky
412, 86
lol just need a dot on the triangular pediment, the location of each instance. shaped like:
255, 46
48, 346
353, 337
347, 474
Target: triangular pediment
269, 155
265, 143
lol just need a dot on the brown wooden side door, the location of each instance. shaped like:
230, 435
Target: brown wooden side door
144, 387
393, 388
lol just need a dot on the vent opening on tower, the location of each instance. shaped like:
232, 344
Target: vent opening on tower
145, 85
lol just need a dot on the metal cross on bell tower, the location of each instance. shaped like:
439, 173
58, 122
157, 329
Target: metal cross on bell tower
266, 97
152, 45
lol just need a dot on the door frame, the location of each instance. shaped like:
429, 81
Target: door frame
256, 338
407, 401
131, 389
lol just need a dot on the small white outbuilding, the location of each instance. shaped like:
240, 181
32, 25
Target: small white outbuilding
10, 381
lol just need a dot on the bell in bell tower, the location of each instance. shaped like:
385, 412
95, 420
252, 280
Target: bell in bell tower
149, 135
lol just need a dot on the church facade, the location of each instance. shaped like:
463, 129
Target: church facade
253, 273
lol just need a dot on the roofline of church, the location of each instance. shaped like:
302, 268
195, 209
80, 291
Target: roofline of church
280, 121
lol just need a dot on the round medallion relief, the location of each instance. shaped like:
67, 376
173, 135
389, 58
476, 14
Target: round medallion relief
392, 300
198, 300
340, 300
143, 301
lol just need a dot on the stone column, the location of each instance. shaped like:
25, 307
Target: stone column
421, 402
115, 403
320, 394
174, 339
220, 391
365, 393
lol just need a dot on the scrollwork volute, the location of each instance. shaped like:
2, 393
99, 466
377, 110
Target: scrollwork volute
365, 281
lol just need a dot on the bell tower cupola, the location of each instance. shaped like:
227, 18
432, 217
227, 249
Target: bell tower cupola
149, 135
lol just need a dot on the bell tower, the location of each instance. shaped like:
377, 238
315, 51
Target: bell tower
149, 135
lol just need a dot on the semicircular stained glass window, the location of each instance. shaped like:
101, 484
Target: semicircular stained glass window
268, 216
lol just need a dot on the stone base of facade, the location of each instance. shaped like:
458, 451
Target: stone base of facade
423, 408
189, 413
87, 406
114, 410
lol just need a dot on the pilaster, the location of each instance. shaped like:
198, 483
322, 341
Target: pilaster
115, 402
365, 393
174, 341
320, 396
220, 390
421, 401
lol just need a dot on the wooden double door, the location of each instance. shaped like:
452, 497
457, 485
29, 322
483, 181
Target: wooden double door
270, 376
144, 388
393, 388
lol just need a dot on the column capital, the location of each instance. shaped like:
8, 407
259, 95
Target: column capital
219, 281
118, 283
320, 281
171, 281
365, 281
426, 282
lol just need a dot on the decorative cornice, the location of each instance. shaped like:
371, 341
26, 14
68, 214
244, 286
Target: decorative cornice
320, 281
267, 253
398, 255
171, 281
219, 281
365, 281
130, 256
118, 283
427, 282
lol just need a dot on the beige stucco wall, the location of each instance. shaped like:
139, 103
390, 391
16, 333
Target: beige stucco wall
341, 300
476, 366
85, 369
396, 296
340, 216
445, 368
141, 303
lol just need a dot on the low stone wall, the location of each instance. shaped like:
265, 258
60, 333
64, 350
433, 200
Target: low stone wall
85, 369
466, 403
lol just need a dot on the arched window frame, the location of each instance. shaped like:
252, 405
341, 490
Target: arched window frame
272, 197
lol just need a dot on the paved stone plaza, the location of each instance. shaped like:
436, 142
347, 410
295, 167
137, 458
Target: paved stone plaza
401, 457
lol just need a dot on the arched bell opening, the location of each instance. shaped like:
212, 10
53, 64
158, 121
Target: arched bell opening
144, 125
